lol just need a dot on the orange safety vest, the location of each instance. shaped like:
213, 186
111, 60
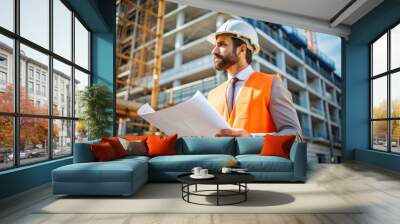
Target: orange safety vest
251, 109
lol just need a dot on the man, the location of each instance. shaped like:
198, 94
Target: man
253, 103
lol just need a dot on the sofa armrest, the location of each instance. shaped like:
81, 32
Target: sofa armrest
83, 152
298, 155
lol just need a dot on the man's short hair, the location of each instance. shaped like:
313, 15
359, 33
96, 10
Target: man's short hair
236, 43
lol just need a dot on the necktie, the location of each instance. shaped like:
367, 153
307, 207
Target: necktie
231, 94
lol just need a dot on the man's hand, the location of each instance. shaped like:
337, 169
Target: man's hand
232, 133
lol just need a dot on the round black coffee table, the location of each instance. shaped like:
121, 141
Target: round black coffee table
238, 179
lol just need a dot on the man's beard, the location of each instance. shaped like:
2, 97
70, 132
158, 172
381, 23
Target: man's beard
222, 63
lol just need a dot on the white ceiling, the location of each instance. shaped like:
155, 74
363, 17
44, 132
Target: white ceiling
324, 16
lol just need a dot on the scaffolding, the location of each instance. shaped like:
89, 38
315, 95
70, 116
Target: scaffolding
140, 25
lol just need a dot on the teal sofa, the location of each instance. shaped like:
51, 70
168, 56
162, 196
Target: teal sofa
125, 176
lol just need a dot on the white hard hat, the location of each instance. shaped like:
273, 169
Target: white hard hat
239, 29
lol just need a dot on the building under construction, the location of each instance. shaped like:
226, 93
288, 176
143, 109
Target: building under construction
169, 68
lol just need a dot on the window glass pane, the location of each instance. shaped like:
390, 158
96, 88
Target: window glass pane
62, 29
6, 142
35, 21
81, 45
62, 138
395, 135
33, 139
34, 73
81, 131
379, 55
7, 14
379, 135
395, 47
81, 81
6, 74
62, 89
379, 97
395, 94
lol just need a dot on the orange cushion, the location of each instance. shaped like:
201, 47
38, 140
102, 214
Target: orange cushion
159, 145
116, 145
103, 151
275, 145
135, 137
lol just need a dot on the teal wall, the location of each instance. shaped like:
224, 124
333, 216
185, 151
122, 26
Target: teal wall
99, 16
381, 159
24, 178
356, 85
103, 66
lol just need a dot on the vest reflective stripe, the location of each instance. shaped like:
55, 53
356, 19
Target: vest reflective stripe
251, 109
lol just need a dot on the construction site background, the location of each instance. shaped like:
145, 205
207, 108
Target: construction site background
163, 58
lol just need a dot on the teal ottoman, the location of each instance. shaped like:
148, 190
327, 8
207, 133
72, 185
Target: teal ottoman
118, 177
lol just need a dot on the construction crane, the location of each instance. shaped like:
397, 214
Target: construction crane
139, 40
311, 41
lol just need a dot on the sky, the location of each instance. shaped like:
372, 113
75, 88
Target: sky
379, 61
34, 25
331, 46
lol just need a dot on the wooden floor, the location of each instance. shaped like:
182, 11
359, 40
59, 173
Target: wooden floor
377, 188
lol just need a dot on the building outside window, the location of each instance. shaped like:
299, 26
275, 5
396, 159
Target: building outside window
55, 96
30, 72
3, 61
3, 72
3, 78
43, 90
37, 75
43, 77
38, 89
30, 87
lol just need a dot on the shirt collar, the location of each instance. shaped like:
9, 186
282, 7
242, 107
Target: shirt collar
243, 75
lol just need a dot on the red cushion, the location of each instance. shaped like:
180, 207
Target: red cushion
116, 145
159, 145
275, 145
103, 151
